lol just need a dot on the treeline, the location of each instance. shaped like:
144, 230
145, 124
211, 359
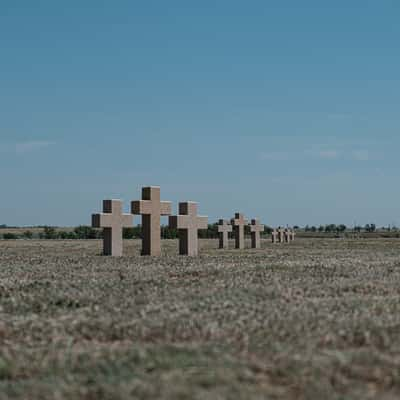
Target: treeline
87, 232
332, 228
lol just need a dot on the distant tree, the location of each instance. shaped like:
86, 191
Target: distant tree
210, 233
132, 233
370, 228
10, 236
49, 232
268, 230
85, 232
342, 228
168, 233
67, 235
330, 228
27, 235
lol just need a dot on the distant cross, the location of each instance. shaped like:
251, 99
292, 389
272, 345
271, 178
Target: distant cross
256, 229
151, 208
113, 221
188, 224
238, 228
281, 235
287, 235
223, 229
274, 236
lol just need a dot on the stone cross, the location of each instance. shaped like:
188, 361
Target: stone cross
256, 229
274, 236
112, 220
238, 227
151, 208
188, 223
223, 228
281, 235
287, 235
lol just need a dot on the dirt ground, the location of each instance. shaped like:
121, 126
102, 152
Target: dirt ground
316, 319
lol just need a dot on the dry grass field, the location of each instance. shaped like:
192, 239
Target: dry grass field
318, 319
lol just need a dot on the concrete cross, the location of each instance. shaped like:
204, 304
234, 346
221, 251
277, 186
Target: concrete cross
223, 229
188, 223
238, 228
281, 235
112, 220
256, 229
151, 208
287, 235
274, 236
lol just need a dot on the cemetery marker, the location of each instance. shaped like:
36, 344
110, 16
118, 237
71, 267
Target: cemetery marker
151, 208
112, 220
238, 223
256, 229
188, 223
274, 236
223, 228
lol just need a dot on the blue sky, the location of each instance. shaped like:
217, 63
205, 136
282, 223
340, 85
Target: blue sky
284, 110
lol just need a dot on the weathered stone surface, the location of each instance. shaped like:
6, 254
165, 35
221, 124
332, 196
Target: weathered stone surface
188, 224
223, 229
112, 220
281, 235
256, 229
151, 208
239, 223
287, 235
274, 236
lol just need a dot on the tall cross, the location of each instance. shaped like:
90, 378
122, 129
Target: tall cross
238, 227
256, 229
112, 220
274, 236
188, 223
287, 235
223, 229
281, 235
151, 208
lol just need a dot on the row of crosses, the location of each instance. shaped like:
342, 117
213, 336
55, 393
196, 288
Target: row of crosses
281, 235
187, 222
237, 226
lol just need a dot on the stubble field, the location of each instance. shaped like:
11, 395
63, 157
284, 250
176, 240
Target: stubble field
310, 320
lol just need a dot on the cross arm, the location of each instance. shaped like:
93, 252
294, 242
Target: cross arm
179, 221
202, 222
141, 207
102, 220
224, 228
165, 208
127, 220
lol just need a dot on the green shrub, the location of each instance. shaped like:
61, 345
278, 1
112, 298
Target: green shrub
27, 235
10, 236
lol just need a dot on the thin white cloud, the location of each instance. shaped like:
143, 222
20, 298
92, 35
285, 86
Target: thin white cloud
31, 146
328, 154
276, 156
317, 154
361, 155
